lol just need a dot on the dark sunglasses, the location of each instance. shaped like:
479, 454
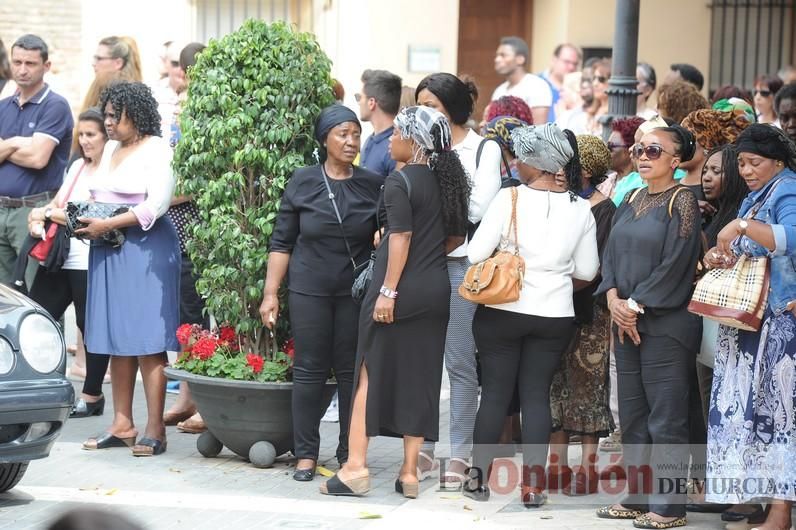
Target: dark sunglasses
612, 146
601, 79
653, 152
764, 93
175, 64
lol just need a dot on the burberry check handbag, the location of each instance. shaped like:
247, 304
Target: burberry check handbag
735, 297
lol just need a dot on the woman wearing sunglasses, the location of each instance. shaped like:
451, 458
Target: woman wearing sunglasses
648, 272
766, 87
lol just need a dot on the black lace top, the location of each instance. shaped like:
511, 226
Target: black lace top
651, 256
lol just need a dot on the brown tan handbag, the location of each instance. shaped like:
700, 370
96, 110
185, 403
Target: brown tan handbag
497, 279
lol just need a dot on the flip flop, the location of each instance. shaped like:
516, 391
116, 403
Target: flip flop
149, 447
106, 440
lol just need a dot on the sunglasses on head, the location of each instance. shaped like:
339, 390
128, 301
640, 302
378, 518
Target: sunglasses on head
764, 93
653, 151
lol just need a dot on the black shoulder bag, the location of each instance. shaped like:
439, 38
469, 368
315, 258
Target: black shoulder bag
361, 279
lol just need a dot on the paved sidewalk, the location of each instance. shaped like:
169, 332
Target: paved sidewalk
181, 489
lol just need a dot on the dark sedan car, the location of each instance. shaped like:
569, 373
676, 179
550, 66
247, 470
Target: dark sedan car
35, 396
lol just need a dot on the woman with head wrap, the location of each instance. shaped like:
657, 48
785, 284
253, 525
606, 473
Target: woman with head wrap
647, 276
405, 311
711, 129
751, 420
321, 256
499, 129
579, 393
455, 98
523, 341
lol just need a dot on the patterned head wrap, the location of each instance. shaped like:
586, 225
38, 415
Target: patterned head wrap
737, 105
712, 128
595, 157
427, 127
544, 147
500, 128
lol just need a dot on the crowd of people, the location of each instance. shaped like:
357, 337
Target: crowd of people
598, 344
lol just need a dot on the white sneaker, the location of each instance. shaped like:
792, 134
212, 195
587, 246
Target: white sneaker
332, 413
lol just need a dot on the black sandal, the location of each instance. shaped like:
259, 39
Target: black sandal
106, 440
356, 487
153, 447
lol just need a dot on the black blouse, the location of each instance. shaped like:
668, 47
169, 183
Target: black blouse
307, 229
651, 257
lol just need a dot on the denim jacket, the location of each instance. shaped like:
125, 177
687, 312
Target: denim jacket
778, 211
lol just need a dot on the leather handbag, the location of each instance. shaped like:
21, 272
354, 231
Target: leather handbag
95, 210
497, 279
736, 296
42, 249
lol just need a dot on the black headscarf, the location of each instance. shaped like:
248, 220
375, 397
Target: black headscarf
767, 141
331, 117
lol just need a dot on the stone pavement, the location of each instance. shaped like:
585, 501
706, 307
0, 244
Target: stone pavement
181, 489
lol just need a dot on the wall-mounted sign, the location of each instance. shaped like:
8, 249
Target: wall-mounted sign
424, 59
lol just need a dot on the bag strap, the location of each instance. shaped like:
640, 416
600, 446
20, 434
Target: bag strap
674, 196
72, 186
633, 195
513, 222
337, 214
503, 182
759, 204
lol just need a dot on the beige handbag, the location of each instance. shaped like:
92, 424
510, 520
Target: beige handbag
497, 279
737, 296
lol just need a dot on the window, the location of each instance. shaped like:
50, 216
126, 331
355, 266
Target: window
749, 38
216, 18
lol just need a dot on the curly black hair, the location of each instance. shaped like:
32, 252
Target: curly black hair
733, 191
454, 190
572, 171
135, 101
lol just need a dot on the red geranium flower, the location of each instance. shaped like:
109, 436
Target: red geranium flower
205, 348
184, 334
255, 362
227, 334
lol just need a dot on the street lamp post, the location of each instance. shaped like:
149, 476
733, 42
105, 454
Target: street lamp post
622, 87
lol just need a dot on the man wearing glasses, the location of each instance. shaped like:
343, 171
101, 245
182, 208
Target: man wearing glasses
566, 59
167, 90
35, 138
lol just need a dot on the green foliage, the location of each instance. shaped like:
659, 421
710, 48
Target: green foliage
248, 123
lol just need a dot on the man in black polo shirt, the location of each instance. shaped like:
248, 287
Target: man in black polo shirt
35, 138
378, 103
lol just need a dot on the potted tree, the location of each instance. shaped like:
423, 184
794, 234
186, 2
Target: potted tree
247, 124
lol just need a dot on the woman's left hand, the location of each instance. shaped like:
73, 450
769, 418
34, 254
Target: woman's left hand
95, 229
384, 310
724, 242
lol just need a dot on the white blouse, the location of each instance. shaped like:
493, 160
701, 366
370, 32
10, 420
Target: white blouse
485, 179
143, 178
557, 239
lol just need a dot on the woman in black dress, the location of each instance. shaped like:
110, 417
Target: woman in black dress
311, 246
648, 273
402, 336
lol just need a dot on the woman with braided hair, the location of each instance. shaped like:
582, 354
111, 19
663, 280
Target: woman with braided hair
523, 341
751, 424
405, 312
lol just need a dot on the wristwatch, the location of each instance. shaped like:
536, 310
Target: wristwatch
48, 213
389, 293
743, 225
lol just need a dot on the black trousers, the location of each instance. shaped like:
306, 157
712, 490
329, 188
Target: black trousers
54, 291
325, 332
653, 387
528, 349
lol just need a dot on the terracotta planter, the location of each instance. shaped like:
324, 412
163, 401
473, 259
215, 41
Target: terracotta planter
251, 419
